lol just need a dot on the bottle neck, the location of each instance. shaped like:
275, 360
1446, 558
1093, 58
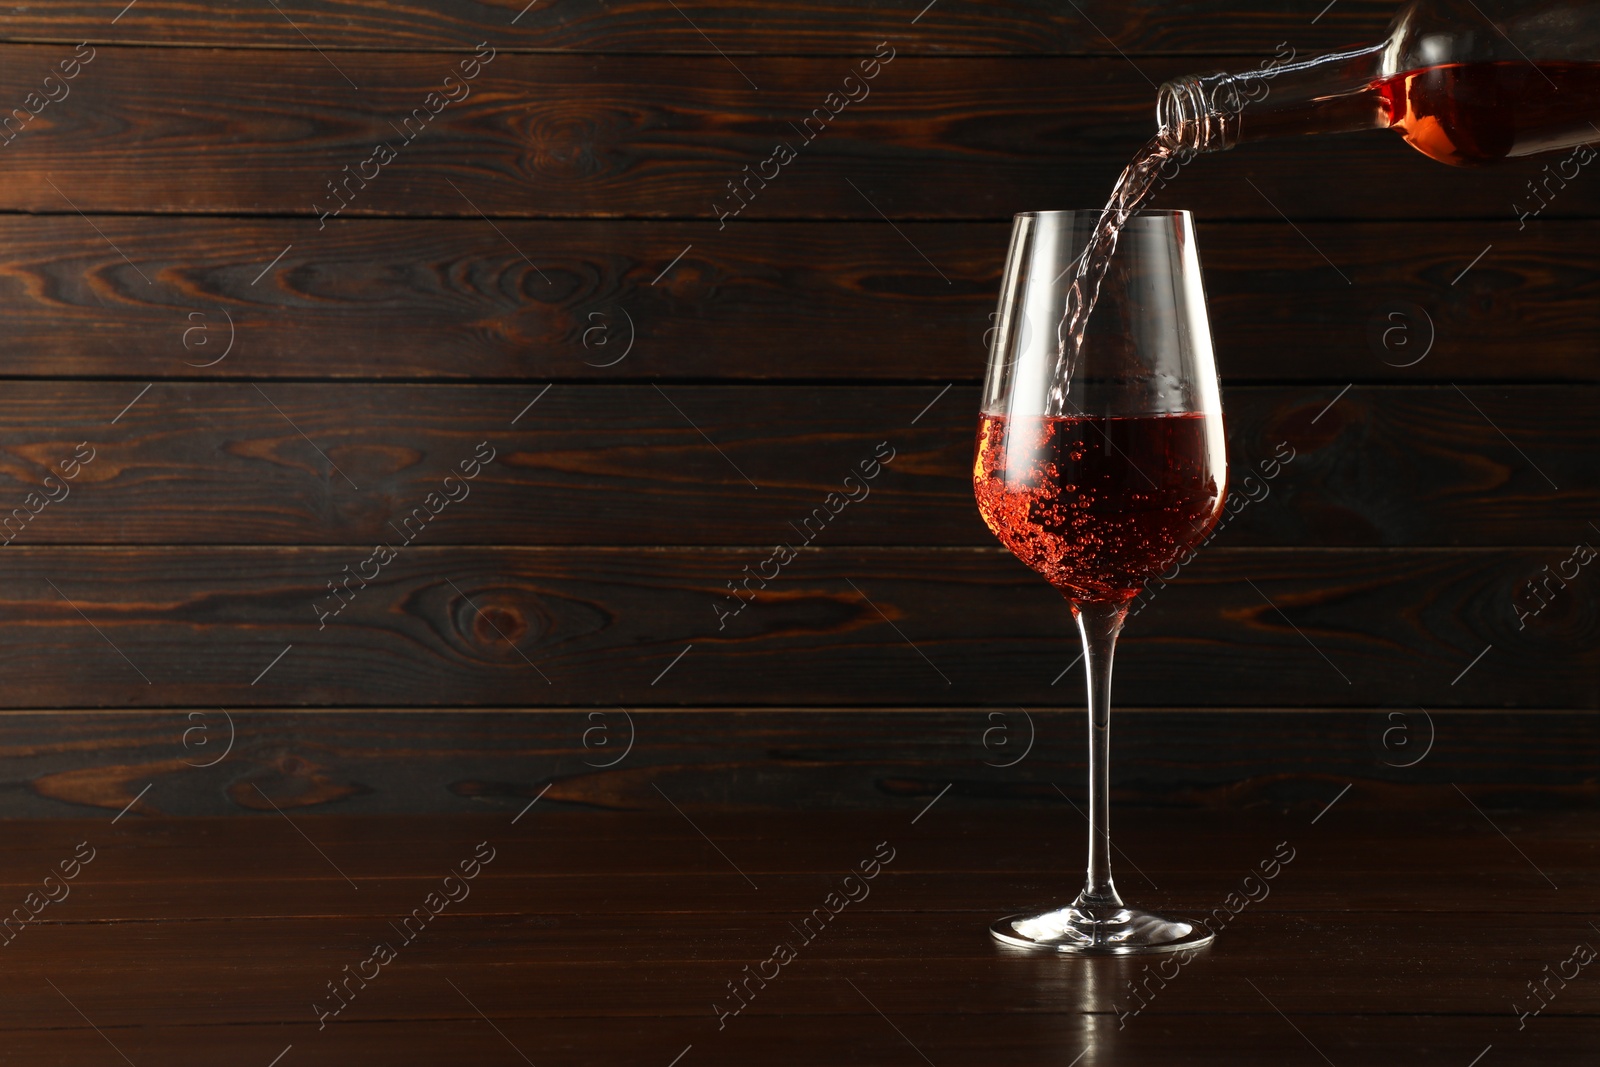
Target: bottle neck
1335, 93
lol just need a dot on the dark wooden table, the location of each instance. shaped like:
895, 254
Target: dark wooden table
604, 938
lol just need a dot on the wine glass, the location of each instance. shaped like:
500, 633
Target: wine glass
1101, 468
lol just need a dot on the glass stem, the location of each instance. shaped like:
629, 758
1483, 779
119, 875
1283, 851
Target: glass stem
1099, 624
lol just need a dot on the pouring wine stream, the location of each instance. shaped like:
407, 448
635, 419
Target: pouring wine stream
1132, 191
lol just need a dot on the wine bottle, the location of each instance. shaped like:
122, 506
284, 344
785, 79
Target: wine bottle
1466, 82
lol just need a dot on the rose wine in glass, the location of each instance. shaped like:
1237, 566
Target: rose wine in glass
1100, 464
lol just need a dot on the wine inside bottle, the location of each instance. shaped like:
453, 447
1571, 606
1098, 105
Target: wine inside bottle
1468, 86
1472, 114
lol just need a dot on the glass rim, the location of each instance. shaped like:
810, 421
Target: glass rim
1143, 213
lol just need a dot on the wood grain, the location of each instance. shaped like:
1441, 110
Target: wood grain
551, 135
950, 26
166, 213
213, 625
136, 893
306, 463
133, 890
1166, 1039
652, 842
246, 920
208, 762
454, 299
289, 962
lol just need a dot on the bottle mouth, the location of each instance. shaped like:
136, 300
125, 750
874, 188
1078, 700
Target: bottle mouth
1200, 112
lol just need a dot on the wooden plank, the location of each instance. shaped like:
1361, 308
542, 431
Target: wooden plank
205, 762
646, 976
1426, 301
296, 463
262, 891
1160, 1040
1385, 959
951, 26
666, 136
846, 300
551, 843
204, 626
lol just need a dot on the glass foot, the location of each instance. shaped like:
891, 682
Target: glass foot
1099, 931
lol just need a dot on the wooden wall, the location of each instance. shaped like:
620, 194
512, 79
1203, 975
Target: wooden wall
536, 288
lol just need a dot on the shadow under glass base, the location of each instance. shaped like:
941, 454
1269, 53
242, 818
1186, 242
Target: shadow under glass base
1099, 931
